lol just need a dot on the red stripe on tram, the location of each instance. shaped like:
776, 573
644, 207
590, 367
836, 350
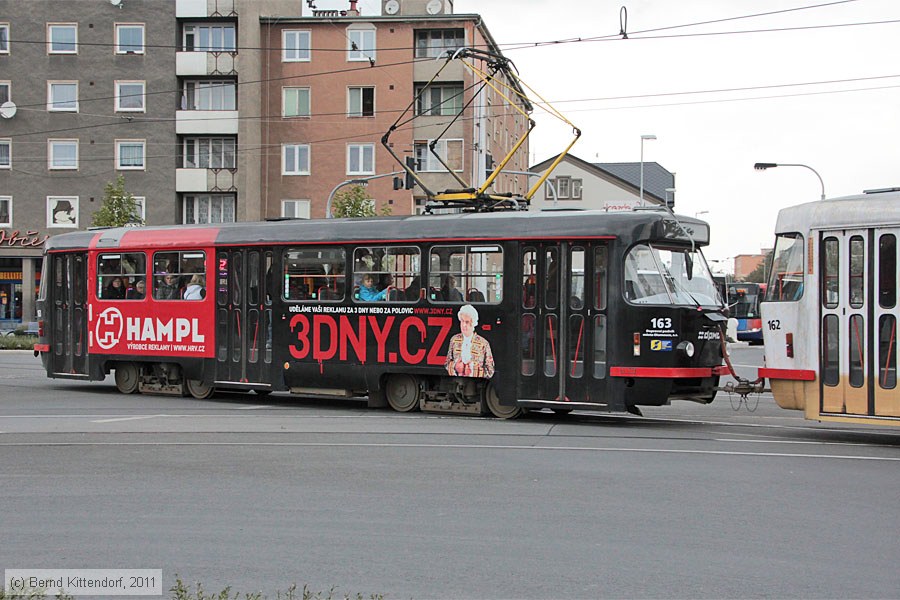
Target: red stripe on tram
795, 374
660, 372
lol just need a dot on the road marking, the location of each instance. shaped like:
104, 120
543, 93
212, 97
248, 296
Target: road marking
468, 447
137, 418
253, 407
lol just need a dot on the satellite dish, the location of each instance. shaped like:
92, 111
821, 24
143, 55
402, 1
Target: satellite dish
116, 3
8, 109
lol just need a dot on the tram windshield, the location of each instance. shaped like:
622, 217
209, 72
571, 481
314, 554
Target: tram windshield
786, 274
661, 275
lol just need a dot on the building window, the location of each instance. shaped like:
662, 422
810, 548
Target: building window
209, 38
295, 102
62, 38
208, 208
130, 155
296, 46
361, 102
209, 153
361, 44
432, 43
62, 154
449, 150
140, 209
129, 39
130, 96
439, 100
62, 211
295, 209
295, 159
5, 211
562, 187
5, 154
360, 159
62, 96
4, 91
4, 38
208, 95
576, 189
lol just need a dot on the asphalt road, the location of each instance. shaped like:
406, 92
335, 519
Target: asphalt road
258, 493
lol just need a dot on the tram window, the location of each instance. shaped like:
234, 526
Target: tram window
314, 274
576, 278
599, 346
600, 267
830, 351
253, 279
887, 271
830, 272
528, 350
395, 271
857, 343
551, 343
786, 275
529, 278
887, 352
857, 271
466, 274
576, 346
174, 272
551, 278
122, 276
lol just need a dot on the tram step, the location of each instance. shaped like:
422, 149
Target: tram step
450, 407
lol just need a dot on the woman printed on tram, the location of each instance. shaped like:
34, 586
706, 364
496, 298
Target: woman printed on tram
469, 354
138, 292
196, 289
115, 290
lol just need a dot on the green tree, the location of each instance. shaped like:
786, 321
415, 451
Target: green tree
760, 273
118, 208
355, 201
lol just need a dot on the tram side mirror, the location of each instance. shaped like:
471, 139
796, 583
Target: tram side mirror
689, 264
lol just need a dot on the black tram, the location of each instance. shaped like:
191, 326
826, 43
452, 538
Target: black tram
485, 313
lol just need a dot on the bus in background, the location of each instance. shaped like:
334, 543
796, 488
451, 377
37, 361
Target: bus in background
830, 311
743, 304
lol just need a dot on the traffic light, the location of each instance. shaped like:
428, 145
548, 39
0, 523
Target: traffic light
410, 182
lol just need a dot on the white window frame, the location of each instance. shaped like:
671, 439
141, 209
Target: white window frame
135, 143
51, 28
577, 187
284, 102
296, 49
300, 209
355, 105
430, 164
193, 30
53, 146
52, 104
4, 39
563, 188
141, 203
365, 47
6, 83
9, 211
120, 47
7, 142
195, 200
51, 203
360, 150
209, 95
444, 107
295, 153
131, 96
426, 41
219, 152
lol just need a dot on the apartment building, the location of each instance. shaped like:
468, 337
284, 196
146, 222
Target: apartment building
338, 80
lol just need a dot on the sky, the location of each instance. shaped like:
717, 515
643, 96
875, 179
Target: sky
824, 91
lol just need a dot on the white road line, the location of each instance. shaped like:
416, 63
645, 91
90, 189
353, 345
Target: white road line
801, 442
253, 407
136, 418
469, 447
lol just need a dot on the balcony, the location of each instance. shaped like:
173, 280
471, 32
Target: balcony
192, 9
206, 122
201, 64
205, 180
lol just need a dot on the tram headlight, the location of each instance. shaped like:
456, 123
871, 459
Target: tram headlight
687, 348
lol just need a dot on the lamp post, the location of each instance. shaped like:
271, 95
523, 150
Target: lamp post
646, 136
763, 166
358, 181
701, 212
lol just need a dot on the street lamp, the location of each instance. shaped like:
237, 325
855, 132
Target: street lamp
363, 181
763, 166
702, 212
646, 136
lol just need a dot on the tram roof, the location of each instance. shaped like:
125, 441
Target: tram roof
858, 211
503, 225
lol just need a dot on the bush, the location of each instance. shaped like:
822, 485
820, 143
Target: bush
17, 342
31, 595
180, 591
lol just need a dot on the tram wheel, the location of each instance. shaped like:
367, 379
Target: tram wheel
500, 411
402, 392
198, 389
127, 377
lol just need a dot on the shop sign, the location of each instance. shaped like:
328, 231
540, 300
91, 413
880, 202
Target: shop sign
30, 239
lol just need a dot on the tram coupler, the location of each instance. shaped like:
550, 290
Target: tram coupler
744, 387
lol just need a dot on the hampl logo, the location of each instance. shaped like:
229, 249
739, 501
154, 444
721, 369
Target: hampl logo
108, 330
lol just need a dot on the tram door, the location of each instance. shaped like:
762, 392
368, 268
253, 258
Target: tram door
69, 318
847, 323
243, 316
563, 328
